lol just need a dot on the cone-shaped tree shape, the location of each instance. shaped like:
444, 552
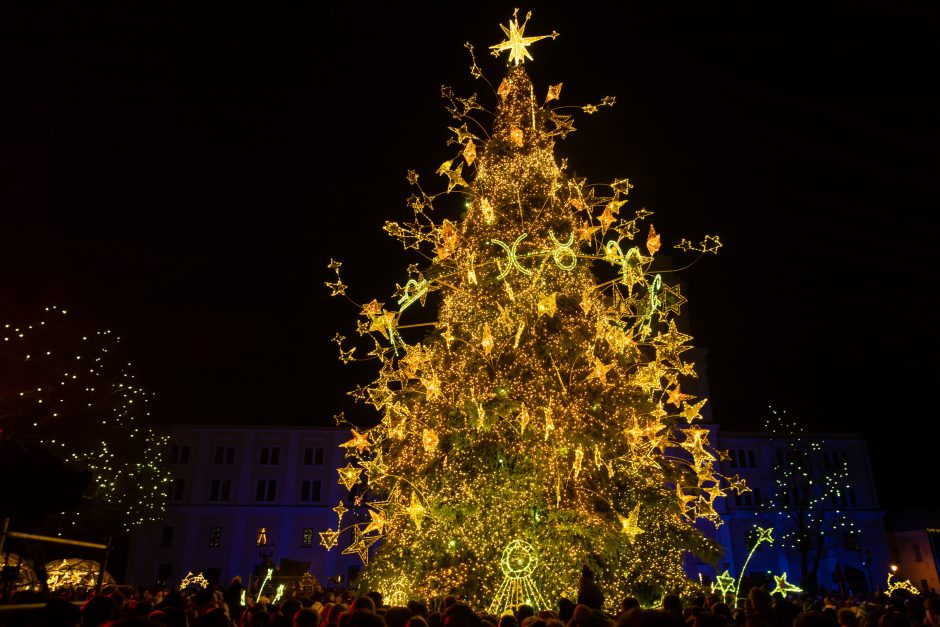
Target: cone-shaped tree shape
544, 409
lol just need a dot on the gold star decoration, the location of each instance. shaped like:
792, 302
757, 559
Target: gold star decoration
359, 441
361, 544
554, 91
600, 371
349, 476
691, 412
432, 386
429, 439
377, 522
340, 510
548, 305
487, 341
524, 419
470, 152
578, 460
516, 136
328, 538
416, 510
454, 176
672, 300
653, 241
516, 44
676, 397
629, 524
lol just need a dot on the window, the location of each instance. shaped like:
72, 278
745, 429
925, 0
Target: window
225, 455
918, 557
270, 455
179, 486
313, 456
266, 490
757, 498
310, 491
166, 538
745, 500
220, 489
215, 537
850, 540
751, 461
163, 574
179, 454
742, 458
306, 540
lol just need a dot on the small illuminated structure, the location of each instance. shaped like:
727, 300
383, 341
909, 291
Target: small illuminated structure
518, 562
194, 580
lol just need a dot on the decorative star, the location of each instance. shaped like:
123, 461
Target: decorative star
600, 370
349, 476
336, 289
470, 152
448, 336
377, 522
554, 91
416, 510
586, 232
430, 440
629, 524
328, 538
516, 44
691, 412
548, 305
487, 341
672, 300
432, 386
373, 308
725, 582
359, 442
606, 219
340, 510
763, 535
653, 241
524, 419
676, 397
454, 176
783, 586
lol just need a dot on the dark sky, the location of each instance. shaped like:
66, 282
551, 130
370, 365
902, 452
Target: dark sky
183, 176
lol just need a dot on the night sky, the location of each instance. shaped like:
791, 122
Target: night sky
183, 177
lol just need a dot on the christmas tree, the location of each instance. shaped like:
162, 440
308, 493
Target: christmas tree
537, 424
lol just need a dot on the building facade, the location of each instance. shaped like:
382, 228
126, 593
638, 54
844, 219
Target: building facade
243, 499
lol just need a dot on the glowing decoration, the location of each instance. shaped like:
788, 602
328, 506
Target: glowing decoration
763, 535
548, 306
725, 583
629, 524
511, 257
328, 539
340, 510
75, 573
243, 598
905, 584
783, 586
550, 339
518, 562
429, 439
265, 581
349, 476
194, 580
516, 44
280, 593
358, 442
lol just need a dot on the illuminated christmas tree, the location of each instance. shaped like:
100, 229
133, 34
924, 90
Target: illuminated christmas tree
73, 425
537, 423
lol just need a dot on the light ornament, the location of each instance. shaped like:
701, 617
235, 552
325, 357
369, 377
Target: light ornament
547, 306
516, 44
329, 538
279, 594
358, 442
487, 341
429, 439
763, 535
416, 510
783, 586
349, 476
518, 562
340, 510
629, 525
194, 580
725, 583
265, 581
413, 291
904, 584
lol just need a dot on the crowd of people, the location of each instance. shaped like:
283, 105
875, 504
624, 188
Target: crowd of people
217, 606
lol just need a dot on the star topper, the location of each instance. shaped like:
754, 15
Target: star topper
516, 44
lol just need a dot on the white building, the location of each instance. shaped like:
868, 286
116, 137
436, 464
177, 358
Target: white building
236, 487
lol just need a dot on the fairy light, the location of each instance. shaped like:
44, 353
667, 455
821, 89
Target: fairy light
763, 535
539, 402
92, 418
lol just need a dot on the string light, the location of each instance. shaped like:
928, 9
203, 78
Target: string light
531, 407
